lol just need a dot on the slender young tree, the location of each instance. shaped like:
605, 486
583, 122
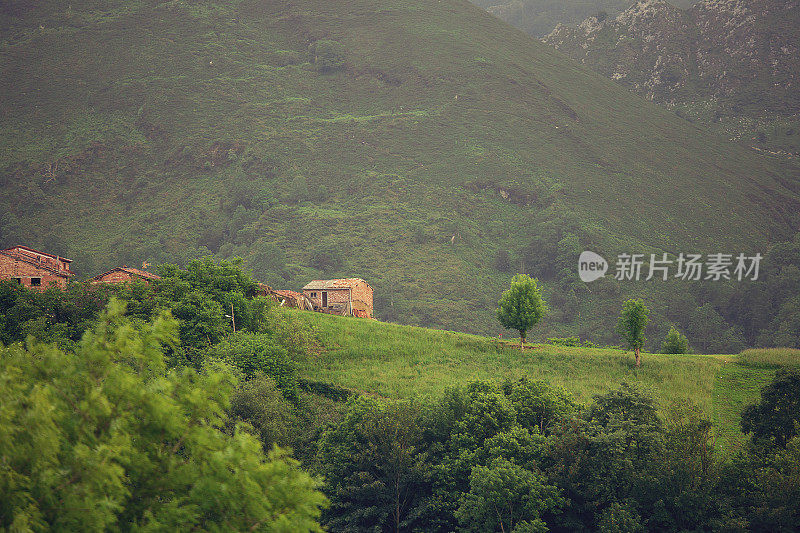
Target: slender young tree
632, 321
521, 307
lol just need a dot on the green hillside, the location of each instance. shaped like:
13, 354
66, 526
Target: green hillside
402, 362
411, 143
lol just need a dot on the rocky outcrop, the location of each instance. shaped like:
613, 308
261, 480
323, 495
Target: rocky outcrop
743, 52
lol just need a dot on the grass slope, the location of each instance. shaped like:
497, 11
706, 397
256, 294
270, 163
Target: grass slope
161, 131
402, 361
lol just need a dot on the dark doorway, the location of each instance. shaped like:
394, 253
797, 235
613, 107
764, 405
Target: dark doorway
324, 299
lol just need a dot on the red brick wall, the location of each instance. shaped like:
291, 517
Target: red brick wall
363, 292
11, 268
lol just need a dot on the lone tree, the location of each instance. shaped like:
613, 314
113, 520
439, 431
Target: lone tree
675, 342
632, 321
521, 307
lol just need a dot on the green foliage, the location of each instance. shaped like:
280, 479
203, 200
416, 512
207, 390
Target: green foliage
521, 307
327, 55
631, 325
620, 518
288, 330
706, 323
50, 316
327, 256
376, 468
606, 456
574, 342
539, 406
259, 403
615, 466
762, 489
105, 438
268, 263
675, 343
504, 496
258, 353
774, 420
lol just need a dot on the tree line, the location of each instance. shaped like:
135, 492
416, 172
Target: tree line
137, 406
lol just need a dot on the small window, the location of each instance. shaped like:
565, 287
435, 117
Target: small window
17, 280
313, 294
36, 282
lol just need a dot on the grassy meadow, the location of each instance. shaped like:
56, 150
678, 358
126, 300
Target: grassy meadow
402, 361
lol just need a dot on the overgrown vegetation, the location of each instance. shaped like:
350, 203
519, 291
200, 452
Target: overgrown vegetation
107, 437
123, 420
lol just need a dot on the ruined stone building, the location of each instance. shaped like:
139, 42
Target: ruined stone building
34, 269
348, 297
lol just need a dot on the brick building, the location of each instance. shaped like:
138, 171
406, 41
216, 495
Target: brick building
124, 274
34, 269
349, 297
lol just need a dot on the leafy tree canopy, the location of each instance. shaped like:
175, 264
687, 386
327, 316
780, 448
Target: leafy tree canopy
631, 324
774, 420
521, 307
676, 342
106, 438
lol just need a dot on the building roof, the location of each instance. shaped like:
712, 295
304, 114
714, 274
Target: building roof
14, 254
328, 284
288, 294
132, 271
22, 247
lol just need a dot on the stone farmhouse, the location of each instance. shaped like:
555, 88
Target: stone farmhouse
123, 274
347, 297
39, 270
34, 269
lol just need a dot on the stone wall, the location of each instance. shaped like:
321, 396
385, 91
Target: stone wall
29, 275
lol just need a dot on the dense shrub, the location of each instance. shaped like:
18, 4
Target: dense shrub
675, 342
572, 342
258, 353
261, 404
775, 419
327, 55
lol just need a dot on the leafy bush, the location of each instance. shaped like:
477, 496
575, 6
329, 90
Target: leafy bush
327, 256
327, 55
675, 342
261, 404
572, 342
774, 421
254, 353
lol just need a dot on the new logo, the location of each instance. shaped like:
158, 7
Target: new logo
591, 266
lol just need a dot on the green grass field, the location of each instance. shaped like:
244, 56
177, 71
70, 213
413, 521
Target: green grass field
403, 361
